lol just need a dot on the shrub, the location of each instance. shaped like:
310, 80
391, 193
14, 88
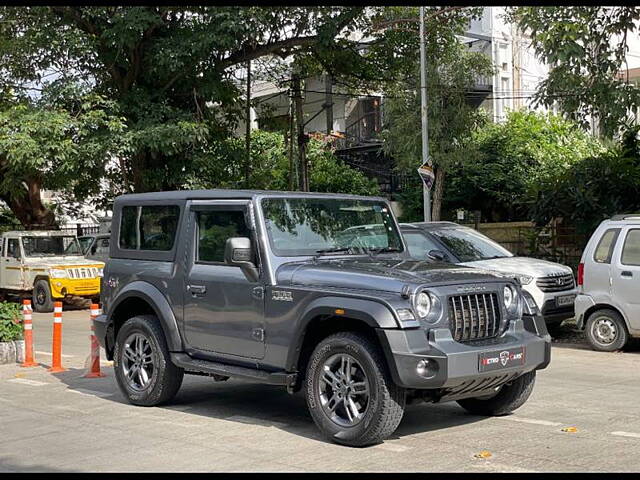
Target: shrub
10, 322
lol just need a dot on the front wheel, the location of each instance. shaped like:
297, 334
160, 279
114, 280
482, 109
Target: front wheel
42, 299
350, 394
510, 397
143, 367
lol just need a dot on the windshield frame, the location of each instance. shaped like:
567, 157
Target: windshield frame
44, 255
282, 255
435, 231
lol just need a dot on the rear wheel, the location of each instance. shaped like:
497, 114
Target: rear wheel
510, 397
350, 393
42, 299
606, 331
144, 371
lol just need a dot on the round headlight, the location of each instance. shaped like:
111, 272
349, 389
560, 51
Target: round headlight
508, 296
423, 304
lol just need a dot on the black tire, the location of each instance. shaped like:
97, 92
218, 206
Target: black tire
510, 397
386, 401
165, 379
606, 318
41, 299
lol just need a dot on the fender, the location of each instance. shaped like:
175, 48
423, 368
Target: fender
161, 307
373, 313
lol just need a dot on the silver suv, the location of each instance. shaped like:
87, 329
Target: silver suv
608, 304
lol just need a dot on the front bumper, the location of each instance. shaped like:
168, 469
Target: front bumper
85, 287
458, 364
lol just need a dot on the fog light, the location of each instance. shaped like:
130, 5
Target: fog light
427, 368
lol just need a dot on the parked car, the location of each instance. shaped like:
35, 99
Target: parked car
48, 266
95, 247
550, 285
301, 290
608, 302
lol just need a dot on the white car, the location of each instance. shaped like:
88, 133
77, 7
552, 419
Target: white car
608, 302
550, 285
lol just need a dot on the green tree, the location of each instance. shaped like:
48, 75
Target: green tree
270, 166
171, 71
46, 146
586, 48
452, 72
594, 188
516, 160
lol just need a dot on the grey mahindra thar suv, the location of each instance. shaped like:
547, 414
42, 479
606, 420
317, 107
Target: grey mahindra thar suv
312, 292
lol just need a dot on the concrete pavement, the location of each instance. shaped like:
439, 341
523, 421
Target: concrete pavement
64, 422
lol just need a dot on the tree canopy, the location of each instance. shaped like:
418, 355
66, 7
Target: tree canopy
586, 48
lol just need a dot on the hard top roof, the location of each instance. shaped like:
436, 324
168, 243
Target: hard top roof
37, 233
225, 194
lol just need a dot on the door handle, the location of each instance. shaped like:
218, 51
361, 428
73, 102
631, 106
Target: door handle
626, 273
197, 289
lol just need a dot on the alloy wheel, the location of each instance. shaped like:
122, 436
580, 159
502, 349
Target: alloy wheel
138, 361
344, 390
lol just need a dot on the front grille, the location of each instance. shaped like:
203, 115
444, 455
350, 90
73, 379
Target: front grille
556, 283
82, 272
474, 317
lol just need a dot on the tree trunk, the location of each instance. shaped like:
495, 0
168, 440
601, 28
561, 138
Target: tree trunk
28, 208
438, 190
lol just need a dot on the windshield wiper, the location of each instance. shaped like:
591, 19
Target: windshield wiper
383, 250
332, 250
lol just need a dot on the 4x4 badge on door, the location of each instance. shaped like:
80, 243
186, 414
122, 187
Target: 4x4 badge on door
281, 296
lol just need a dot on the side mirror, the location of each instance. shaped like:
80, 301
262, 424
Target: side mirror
438, 255
238, 252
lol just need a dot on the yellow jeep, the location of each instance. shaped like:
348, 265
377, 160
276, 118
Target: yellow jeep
49, 266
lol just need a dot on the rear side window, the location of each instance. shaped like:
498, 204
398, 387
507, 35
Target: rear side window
214, 228
604, 250
149, 227
631, 248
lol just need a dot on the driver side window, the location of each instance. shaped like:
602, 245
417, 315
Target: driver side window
13, 248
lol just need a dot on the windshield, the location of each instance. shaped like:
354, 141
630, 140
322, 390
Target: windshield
51, 246
312, 226
85, 243
469, 245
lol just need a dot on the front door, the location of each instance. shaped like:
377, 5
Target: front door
626, 276
223, 311
12, 273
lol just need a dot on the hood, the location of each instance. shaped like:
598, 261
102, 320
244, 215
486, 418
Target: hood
382, 274
61, 261
533, 267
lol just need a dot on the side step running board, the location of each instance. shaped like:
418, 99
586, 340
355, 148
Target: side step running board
183, 360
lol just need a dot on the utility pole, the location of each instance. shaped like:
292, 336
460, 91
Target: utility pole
426, 193
247, 166
328, 88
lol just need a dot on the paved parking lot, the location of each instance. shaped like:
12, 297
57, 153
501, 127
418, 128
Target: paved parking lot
582, 416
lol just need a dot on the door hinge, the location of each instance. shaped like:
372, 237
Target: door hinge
258, 334
258, 292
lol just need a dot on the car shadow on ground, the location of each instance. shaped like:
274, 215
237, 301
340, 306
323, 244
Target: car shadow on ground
264, 405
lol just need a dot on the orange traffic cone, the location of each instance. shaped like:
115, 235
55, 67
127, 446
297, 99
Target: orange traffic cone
94, 370
27, 326
56, 362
